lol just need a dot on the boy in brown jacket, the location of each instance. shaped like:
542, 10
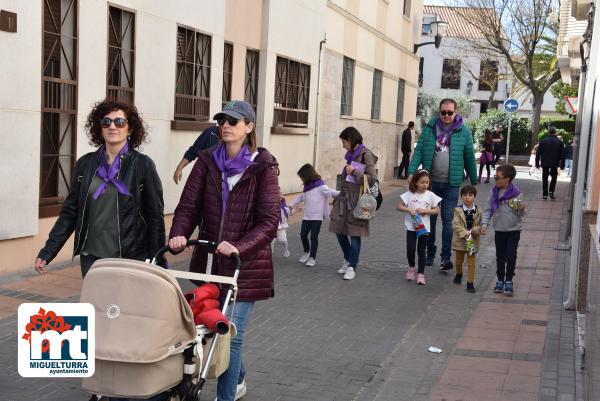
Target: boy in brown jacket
466, 225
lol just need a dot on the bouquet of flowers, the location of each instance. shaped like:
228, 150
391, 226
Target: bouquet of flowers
419, 225
514, 203
470, 247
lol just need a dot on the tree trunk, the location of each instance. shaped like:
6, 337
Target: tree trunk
535, 119
491, 99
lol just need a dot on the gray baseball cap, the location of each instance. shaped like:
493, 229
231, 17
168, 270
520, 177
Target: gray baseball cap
237, 109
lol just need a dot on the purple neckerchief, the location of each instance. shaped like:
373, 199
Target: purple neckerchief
444, 137
511, 192
109, 173
230, 167
351, 155
283, 206
313, 185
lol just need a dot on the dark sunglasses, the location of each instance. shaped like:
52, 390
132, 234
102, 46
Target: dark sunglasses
497, 177
120, 122
446, 113
231, 120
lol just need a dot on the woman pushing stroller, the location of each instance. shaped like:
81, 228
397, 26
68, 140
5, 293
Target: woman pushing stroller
233, 194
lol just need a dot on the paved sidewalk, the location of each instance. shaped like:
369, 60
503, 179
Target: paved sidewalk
322, 338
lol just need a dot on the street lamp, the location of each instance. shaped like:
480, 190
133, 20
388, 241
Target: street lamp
469, 87
438, 29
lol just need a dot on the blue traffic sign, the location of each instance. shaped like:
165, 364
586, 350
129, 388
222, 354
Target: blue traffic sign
511, 105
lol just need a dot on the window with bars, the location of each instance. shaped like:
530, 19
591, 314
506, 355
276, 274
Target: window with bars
451, 74
59, 103
400, 101
421, 71
376, 96
227, 72
192, 81
347, 87
292, 84
488, 75
251, 79
121, 55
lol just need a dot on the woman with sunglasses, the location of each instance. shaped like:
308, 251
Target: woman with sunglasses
233, 192
115, 200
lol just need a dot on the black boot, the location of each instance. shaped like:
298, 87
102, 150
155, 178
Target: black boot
458, 278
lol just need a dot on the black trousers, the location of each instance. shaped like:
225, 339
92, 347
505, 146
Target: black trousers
403, 170
553, 173
416, 244
487, 167
497, 154
507, 243
313, 227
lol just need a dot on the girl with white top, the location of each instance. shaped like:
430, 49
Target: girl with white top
418, 201
284, 213
315, 196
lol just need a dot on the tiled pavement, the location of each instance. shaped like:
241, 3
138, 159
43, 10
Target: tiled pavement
322, 338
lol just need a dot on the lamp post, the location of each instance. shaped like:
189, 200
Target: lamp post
438, 29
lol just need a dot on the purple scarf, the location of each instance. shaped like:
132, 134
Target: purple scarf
443, 138
230, 167
351, 155
283, 207
313, 185
109, 173
511, 192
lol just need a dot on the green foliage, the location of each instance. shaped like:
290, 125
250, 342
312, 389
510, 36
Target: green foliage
565, 123
519, 133
428, 105
559, 90
566, 136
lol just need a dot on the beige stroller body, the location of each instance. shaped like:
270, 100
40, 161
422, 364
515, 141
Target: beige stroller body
146, 339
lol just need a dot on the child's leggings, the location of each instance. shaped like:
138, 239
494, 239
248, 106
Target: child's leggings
507, 243
413, 243
314, 227
460, 257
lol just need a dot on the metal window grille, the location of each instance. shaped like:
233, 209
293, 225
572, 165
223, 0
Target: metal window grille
400, 101
59, 103
488, 73
121, 55
376, 96
251, 79
347, 87
292, 84
227, 72
192, 81
451, 74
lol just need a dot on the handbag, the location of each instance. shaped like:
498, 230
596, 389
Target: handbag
376, 192
367, 204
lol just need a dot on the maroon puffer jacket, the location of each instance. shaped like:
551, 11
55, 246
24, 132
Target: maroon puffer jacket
250, 222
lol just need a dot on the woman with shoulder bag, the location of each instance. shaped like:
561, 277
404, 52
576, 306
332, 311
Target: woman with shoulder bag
349, 230
115, 201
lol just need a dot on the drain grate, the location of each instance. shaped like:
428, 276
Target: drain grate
534, 322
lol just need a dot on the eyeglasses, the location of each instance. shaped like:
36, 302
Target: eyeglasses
120, 122
231, 120
446, 113
497, 177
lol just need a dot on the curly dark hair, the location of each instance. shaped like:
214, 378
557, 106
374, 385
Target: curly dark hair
139, 129
412, 185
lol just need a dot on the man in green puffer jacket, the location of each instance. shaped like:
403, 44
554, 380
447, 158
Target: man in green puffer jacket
445, 149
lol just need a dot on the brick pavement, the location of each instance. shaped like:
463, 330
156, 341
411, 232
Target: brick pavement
322, 338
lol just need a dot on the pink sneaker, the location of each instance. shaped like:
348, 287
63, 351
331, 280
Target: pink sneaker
420, 279
410, 274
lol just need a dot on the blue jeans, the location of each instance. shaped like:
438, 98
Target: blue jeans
449, 197
234, 375
350, 248
568, 166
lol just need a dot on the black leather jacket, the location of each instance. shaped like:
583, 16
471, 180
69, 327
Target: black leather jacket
140, 221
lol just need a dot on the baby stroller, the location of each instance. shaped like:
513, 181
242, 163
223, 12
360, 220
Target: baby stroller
146, 341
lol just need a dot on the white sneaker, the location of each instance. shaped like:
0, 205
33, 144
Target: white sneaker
343, 269
240, 391
304, 258
349, 275
286, 253
311, 262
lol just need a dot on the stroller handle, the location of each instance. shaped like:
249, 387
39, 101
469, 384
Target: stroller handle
211, 245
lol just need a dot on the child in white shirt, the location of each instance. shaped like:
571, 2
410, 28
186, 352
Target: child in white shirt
284, 213
420, 203
315, 196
